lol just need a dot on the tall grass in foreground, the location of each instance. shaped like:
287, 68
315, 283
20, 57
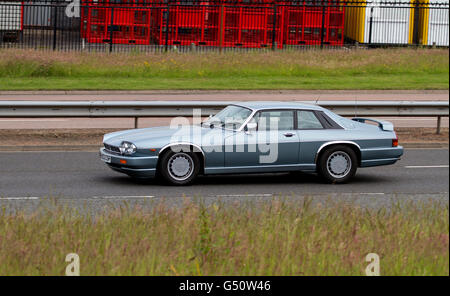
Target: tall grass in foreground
275, 238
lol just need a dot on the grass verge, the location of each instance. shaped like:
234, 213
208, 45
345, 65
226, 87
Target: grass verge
364, 69
275, 238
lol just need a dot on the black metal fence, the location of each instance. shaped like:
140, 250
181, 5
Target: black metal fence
145, 25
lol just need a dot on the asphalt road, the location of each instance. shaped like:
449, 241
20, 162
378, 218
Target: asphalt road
79, 176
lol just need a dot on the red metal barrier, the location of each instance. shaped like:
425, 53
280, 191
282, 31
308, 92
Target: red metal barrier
305, 24
252, 27
187, 24
125, 22
212, 23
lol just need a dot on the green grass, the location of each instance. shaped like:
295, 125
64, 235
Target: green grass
364, 69
274, 238
246, 83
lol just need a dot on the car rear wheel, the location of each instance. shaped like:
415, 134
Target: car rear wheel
337, 164
179, 168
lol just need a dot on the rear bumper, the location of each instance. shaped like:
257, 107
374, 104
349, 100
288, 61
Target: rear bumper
139, 167
380, 156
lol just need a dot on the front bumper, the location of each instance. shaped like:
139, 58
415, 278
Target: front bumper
139, 167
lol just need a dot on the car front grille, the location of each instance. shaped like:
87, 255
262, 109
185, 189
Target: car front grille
112, 149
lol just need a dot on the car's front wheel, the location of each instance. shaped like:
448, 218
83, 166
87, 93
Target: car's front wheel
337, 164
179, 168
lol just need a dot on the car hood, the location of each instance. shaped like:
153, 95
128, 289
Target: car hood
160, 136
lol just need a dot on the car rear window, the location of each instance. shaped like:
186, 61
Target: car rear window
308, 120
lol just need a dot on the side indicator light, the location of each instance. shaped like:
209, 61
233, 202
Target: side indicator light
153, 150
123, 161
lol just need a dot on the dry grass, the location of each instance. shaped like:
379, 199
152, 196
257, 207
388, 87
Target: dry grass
275, 238
364, 69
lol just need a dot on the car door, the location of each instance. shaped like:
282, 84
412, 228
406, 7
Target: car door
274, 143
312, 132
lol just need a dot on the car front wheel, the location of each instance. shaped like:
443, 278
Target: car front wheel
337, 164
179, 168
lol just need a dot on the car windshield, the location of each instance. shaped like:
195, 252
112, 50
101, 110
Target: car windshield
232, 117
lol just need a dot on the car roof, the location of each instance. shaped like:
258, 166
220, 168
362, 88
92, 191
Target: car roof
261, 105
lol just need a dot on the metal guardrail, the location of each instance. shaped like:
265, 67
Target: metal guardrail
138, 109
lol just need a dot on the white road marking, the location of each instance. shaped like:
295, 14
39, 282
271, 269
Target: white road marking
22, 120
371, 193
91, 197
436, 148
426, 166
20, 198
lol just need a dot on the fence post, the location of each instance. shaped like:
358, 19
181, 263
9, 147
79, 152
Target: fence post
167, 28
275, 19
370, 25
438, 128
322, 31
111, 30
55, 20
221, 26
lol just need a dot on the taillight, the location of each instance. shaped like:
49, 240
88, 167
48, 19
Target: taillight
395, 142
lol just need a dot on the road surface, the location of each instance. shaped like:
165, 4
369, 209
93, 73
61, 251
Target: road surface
228, 95
27, 177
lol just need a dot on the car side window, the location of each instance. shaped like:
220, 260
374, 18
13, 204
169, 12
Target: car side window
308, 120
275, 120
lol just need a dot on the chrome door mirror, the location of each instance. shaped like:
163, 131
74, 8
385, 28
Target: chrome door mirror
251, 127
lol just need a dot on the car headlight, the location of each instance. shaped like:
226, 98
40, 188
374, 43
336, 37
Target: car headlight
127, 148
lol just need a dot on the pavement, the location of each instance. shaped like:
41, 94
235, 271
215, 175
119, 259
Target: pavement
27, 178
196, 95
227, 95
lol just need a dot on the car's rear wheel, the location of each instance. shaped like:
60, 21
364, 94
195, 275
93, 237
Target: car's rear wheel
179, 168
337, 164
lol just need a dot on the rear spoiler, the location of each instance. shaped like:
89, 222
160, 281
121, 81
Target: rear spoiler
384, 125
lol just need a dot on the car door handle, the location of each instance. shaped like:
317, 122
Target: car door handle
288, 135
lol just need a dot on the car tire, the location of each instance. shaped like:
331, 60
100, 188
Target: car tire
337, 164
179, 168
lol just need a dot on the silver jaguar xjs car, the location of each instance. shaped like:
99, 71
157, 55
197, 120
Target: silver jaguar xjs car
255, 137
